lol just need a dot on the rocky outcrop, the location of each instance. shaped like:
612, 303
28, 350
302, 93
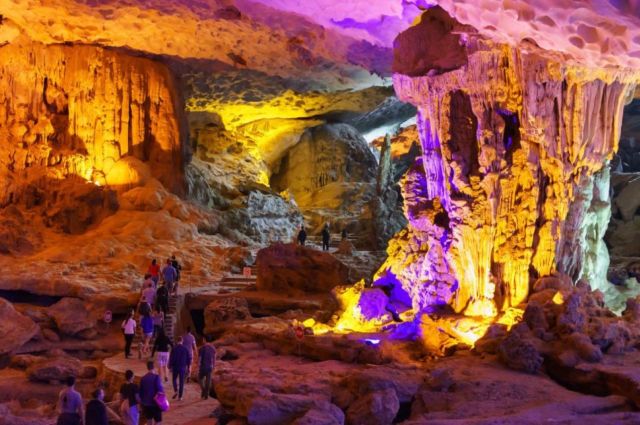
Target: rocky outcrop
15, 328
332, 153
72, 316
223, 311
512, 174
294, 268
79, 111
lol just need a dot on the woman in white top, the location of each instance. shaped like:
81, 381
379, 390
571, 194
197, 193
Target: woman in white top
129, 329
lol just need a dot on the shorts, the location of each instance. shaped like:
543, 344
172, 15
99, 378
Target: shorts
152, 412
148, 335
163, 358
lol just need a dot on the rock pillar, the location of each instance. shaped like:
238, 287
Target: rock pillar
511, 183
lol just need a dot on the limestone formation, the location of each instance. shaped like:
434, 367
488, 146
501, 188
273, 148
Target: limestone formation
512, 175
78, 110
293, 268
15, 328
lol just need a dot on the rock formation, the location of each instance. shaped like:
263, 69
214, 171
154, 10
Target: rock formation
81, 111
513, 170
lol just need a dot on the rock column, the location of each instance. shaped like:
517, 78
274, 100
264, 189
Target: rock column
512, 181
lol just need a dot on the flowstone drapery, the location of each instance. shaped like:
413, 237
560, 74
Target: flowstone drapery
512, 183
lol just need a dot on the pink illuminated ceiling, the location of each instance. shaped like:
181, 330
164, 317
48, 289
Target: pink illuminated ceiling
286, 37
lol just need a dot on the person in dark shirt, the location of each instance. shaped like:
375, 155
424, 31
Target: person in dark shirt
179, 362
96, 413
326, 236
162, 299
302, 236
207, 356
150, 386
129, 395
162, 345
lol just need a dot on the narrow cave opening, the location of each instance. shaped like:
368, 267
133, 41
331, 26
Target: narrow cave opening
26, 297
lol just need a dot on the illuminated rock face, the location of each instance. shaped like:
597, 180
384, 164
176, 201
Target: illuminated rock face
512, 180
79, 110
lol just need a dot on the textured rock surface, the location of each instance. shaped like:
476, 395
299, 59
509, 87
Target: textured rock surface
290, 267
77, 110
506, 182
15, 328
72, 316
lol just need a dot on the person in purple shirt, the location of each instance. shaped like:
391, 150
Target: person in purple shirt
170, 275
179, 362
150, 385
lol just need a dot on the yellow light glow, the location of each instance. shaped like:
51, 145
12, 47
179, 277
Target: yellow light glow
558, 298
309, 323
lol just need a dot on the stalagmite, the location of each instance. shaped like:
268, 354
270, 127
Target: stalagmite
511, 184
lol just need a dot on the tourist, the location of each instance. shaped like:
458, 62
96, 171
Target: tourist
207, 355
148, 281
96, 413
146, 323
162, 299
189, 341
162, 345
169, 275
179, 361
148, 293
326, 236
69, 404
154, 271
150, 387
129, 328
344, 233
176, 266
158, 320
302, 236
130, 398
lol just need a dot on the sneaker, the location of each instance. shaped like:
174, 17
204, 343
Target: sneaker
174, 396
180, 399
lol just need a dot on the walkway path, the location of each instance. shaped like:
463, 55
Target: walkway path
191, 410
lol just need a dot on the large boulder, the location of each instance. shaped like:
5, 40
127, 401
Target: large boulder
275, 409
223, 311
56, 369
293, 268
376, 408
15, 328
72, 316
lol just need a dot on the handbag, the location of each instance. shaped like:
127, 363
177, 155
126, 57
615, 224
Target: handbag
162, 401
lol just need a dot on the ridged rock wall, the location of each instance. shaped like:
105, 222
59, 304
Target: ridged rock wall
78, 110
512, 181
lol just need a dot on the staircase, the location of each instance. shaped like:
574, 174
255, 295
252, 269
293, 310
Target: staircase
315, 241
168, 325
236, 282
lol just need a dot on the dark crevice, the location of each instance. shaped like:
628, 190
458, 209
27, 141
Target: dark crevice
25, 297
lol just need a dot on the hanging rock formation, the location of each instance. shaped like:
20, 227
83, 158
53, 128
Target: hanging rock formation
79, 110
512, 181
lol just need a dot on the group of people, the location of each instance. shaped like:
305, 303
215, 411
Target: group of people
143, 399
326, 236
153, 306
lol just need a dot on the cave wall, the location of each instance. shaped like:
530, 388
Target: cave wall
510, 184
76, 110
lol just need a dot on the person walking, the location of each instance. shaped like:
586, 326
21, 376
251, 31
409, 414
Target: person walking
96, 413
326, 236
189, 341
148, 293
162, 345
69, 404
176, 266
146, 323
129, 329
169, 275
130, 400
150, 387
162, 299
154, 271
179, 362
158, 320
207, 356
302, 236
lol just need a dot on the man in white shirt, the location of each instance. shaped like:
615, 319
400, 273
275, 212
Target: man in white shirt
129, 329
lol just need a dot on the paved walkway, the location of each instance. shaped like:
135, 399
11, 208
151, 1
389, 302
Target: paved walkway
191, 410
